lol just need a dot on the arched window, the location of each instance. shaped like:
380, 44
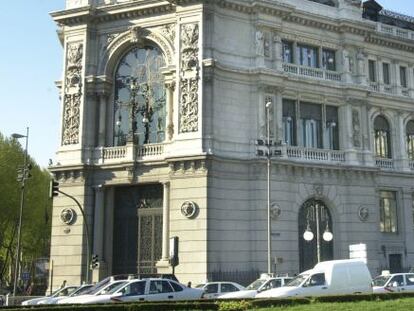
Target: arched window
382, 141
139, 101
410, 140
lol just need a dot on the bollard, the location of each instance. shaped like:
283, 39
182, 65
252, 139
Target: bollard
7, 299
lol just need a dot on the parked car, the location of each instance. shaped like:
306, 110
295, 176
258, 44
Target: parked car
264, 283
394, 283
335, 277
101, 288
81, 290
215, 289
152, 289
61, 292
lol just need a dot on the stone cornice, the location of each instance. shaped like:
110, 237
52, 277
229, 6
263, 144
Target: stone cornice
88, 14
383, 40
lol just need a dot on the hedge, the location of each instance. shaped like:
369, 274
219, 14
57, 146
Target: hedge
212, 305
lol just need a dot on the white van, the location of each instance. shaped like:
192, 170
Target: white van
335, 277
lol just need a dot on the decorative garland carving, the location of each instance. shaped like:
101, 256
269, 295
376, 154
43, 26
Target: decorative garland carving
189, 105
168, 31
189, 78
73, 94
189, 46
356, 129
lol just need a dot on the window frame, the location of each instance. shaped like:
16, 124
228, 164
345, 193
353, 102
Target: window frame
388, 219
372, 70
382, 139
403, 77
386, 73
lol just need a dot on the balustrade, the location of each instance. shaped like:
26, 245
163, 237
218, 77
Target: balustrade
384, 163
315, 154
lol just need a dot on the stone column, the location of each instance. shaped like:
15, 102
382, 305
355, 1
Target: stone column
169, 130
410, 80
400, 144
346, 132
103, 102
278, 61
259, 48
164, 262
166, 222
380, 74
396, 72
261, 120
367, 133
361, 67
98, 232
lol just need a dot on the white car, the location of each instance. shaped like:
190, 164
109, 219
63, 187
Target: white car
81, 290
394, 283
153, 289
262, 284
97, 290
61, 292
215, 289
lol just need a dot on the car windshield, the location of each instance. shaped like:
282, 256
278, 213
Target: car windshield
380, 280
110, 287
256, 284
296, 281
98, 286
81, 290
114, 289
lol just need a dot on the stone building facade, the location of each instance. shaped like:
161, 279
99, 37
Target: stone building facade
167, 107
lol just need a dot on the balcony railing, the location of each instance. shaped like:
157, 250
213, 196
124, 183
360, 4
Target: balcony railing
150, 150
128, 153
114, 153
374, 86
315, 154
312, 72
395, 31
384, 163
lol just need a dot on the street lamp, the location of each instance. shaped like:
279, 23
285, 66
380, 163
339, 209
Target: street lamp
136, 88
269, 223
308, 234
19, 228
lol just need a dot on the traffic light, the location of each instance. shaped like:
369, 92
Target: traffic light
53, 188
20, 174
23, 173
95, 261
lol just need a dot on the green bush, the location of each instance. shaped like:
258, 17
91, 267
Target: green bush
275, 302
239, 305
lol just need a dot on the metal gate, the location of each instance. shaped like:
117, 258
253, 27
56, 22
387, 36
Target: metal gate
137, 238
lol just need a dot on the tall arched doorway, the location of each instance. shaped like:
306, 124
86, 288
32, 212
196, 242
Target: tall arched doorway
314, 212
137, 236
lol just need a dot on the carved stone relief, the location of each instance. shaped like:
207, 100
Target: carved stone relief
259, 43
189, 78
356, 129
72, 94
168, 31
266, 45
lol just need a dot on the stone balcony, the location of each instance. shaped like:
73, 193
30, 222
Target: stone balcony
395, 31
312, 72
315, 155
128, 153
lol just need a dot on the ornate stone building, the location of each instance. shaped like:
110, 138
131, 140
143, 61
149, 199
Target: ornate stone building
165, 107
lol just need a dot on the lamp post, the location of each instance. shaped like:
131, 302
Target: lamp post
308, 234
137, 88
269, 157
22, 193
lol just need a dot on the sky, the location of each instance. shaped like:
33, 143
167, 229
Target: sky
31, 60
